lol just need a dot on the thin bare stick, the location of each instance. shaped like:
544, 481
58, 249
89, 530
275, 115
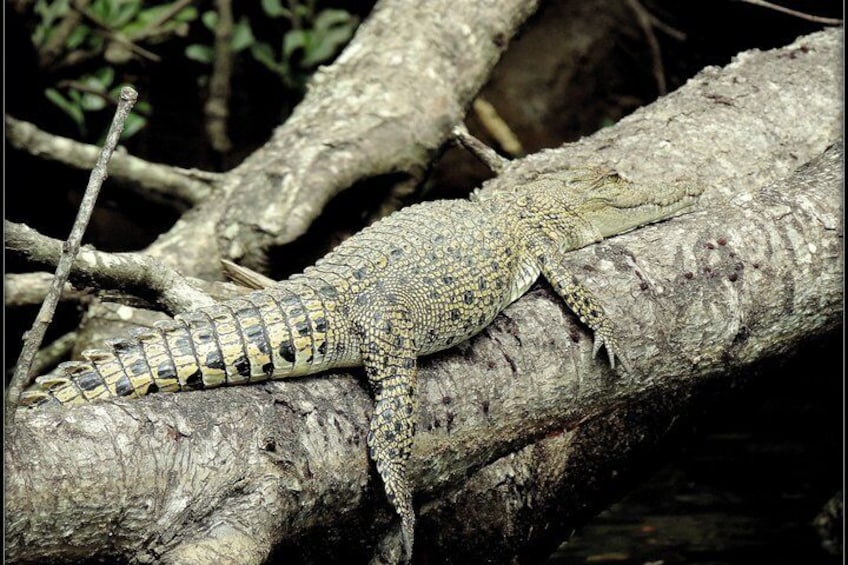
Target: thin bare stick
245, 277
646, 23
217, 108
34, 337
497, 127
483, 152
802, 15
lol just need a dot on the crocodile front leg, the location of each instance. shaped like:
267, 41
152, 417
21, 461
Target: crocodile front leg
580, 300
389, 356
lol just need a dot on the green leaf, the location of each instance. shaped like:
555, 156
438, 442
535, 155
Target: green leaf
92, 102
333, 29
104, 77
200, 53
133, 125
293, 40
242, 36
77, 36
327, 19
274, 9
71, 109
210, 19
263, 53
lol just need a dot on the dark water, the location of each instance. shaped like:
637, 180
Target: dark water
746, 488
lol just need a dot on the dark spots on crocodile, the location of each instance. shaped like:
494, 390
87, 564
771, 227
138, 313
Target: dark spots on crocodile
194, 381
395, 253
409, 363
468, 297
447, 279
123, 386
322, 349
302, 328
183, 345
122, 345
254, 332
320, 325
328, 292
454, 315
388, 327
214, 361
202, 336
166, 370
481, 283
435, 294
138, 367
359, 273
242, 366
89, 380
268, 369
439, 238
287, 352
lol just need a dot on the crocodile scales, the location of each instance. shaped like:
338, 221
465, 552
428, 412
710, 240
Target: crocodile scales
419, 281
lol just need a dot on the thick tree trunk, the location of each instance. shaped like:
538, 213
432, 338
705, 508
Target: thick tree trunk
521, 421
383, 108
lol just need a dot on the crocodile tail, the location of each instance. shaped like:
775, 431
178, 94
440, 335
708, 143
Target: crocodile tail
276, 333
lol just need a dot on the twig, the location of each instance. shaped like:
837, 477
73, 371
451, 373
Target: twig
802, 15
217, 108
643, 17
483, 152
54, 45
34, 337
137, 273
497, 127
245, 277
173, 186
153, 27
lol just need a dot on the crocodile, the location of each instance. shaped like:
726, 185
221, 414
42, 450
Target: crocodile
419, 281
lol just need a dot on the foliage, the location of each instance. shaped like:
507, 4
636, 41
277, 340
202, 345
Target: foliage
115, 36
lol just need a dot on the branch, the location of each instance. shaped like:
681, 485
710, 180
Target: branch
162, 183
217, 108
228, 474
132, 272
30, 289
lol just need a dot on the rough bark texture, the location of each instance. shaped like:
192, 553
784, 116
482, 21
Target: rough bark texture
384, 107
226, 475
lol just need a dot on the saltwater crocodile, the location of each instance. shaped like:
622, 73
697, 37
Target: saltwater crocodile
419, 281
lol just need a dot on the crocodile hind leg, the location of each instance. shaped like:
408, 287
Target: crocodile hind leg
389, 357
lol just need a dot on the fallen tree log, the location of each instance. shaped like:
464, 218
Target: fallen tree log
227, 475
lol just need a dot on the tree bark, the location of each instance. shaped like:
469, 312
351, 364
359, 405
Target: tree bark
519, 419
384, 107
